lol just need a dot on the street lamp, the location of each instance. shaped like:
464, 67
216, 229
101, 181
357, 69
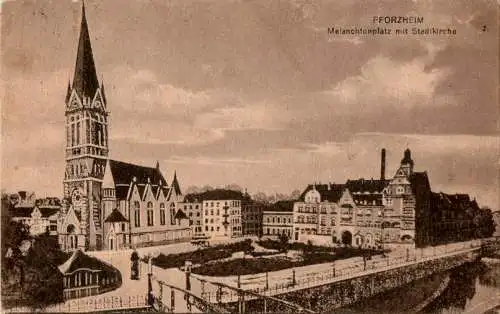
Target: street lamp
382, 232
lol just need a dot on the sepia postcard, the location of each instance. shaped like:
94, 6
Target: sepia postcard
250, 156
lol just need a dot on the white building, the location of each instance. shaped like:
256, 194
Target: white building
220, 212
278, 219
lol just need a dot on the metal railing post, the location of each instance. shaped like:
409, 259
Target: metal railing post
172, 299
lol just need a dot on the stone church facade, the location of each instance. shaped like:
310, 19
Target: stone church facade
109, 204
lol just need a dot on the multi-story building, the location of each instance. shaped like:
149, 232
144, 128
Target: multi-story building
251, 216
277, 219
324, 210
360, 212
96, 187
193, 209
40, 215
221, 212
401, 209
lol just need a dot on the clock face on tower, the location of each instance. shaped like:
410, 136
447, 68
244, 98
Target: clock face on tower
76, 196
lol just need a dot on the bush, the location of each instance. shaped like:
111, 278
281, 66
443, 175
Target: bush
202, 256
243, 267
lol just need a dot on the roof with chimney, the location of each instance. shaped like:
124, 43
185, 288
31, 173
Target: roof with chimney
217, 194
85, 80
366, 186
280, 206
330, 192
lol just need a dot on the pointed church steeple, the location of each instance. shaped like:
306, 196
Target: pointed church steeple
68, 92
175, 184
85, 79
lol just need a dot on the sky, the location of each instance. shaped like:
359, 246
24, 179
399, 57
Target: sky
258, 93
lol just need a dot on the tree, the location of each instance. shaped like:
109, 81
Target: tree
283, 239
234, 187
29, 268
295, 194
260, 197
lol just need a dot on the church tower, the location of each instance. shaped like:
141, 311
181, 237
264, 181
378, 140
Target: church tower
86, 141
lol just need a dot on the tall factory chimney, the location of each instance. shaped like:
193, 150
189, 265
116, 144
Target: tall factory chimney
382, 165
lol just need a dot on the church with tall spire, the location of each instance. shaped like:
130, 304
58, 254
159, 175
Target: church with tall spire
109, 204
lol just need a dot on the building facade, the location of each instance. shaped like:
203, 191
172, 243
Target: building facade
220, 212
95, 185
278, 219
194, 210
402, 209
360, 212
39, 215
251, 216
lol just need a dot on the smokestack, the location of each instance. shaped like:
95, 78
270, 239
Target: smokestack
382, 165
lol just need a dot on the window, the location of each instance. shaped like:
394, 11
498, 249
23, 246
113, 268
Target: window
172, 213
150, 213
162, 213
137, 214
78, 133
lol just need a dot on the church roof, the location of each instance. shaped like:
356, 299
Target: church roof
116, 216
85, 78
123, 173
180, 215
175, 185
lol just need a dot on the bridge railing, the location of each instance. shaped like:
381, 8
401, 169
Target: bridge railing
94, 304
171, 299
294, 281
237, 300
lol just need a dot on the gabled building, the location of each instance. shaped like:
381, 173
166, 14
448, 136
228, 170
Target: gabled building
95, 185
40, 215
364, 212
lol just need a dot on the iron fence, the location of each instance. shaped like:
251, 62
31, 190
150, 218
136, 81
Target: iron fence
96, 304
